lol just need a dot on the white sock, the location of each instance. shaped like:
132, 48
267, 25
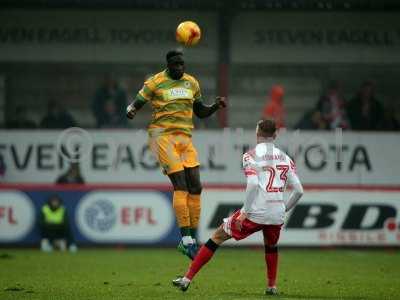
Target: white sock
187, 240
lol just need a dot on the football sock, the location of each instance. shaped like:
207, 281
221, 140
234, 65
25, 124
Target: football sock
185, 231
194, 213
194, 205
193, 233
271, 260
181, 209
203, 256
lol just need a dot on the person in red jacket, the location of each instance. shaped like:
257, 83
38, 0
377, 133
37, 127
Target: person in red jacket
274, 108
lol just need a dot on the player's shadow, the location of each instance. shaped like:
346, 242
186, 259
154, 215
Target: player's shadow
234, 296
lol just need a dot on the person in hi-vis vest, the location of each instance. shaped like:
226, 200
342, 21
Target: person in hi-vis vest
54, 226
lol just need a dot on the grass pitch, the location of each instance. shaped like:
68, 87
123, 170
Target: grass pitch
232, 274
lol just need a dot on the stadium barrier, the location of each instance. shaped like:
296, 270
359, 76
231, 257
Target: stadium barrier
143, 215
123, 156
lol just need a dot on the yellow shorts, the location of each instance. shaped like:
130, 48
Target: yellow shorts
174, 152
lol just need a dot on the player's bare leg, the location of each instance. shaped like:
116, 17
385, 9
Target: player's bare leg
271, 236
205, 253
180, 204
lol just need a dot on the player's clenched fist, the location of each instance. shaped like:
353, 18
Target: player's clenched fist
220, 101
130, 111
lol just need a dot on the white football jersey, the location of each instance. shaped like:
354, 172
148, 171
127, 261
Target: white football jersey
275, 171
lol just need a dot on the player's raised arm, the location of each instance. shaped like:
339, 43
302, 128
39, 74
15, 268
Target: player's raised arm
144, 95
199, 108
204, 111
294, 182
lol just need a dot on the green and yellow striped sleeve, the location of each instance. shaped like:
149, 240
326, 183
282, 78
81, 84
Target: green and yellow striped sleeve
147, 91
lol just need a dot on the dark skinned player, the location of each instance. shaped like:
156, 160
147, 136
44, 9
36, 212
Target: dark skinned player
174, 96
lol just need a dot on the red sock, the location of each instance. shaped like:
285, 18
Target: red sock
271, 259
203, 256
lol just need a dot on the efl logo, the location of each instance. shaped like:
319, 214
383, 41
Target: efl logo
124, 216
17, 216
101, 216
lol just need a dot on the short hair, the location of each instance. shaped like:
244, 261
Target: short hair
55, 197
173, 53
266, 127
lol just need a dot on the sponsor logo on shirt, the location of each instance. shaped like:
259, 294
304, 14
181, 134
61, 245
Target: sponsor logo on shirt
178, 93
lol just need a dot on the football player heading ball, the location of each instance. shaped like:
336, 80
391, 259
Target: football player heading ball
174, 96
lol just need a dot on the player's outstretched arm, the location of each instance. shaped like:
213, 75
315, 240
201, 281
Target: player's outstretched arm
204, 111
133, 108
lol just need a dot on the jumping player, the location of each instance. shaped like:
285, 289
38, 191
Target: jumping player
268, 170
174, 96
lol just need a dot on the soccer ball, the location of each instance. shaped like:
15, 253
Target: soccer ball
188, 33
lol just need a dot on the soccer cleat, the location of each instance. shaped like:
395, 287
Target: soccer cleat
73, 248
181, 283
188, 250
272, 291
45, 245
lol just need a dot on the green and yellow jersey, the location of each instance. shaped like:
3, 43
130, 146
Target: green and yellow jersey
172, 103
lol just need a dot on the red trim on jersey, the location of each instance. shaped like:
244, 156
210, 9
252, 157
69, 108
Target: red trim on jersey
249, 172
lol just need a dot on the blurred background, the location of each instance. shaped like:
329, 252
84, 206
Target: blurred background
327, 70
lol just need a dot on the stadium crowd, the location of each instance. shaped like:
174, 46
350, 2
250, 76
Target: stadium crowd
363, 112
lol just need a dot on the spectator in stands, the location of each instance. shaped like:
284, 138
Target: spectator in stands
108, 92
73, 175
365, 111
57, 117
54, 226
312, 120
274, 108
331, 108
20, 120
390, 121
112, 118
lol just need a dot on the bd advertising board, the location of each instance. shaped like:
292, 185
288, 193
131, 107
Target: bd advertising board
321, 218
